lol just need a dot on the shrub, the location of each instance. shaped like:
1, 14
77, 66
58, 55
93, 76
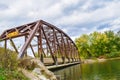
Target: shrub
112, 54
11, 75
9, 66
8, 60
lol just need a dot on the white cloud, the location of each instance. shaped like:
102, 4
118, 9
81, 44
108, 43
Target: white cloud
111, 10
115, 25
82, 16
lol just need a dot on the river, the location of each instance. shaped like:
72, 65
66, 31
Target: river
108, 70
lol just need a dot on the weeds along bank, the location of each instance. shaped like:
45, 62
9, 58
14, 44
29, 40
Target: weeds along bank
9, 66
23, 69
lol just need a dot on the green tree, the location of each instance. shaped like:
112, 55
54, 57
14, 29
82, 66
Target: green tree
83, 45
98, 41
111, 41
99, 44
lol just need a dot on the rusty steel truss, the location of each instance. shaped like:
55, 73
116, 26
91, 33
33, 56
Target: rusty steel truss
50, 40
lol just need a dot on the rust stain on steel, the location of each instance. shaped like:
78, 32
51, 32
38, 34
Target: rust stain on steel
51, 41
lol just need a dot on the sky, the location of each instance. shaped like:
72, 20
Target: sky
74, 17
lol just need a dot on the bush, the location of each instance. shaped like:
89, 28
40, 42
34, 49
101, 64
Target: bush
27, 64
8, 60
2, 74
112, 54
9, 66
11, 75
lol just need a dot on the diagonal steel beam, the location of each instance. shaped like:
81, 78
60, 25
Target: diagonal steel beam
32, 50
49, 46
30, 37
14, 46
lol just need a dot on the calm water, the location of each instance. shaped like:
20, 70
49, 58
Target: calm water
109, 70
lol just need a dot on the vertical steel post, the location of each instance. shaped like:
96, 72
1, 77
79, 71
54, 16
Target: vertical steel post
40, 50
26, 50
5, 45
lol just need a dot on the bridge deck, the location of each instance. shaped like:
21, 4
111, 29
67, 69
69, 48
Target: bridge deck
62, 65
50, 62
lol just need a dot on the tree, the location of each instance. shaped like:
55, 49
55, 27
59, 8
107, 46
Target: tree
99, 44
83, 45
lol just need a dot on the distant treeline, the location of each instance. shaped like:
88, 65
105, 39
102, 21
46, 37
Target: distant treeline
99, 44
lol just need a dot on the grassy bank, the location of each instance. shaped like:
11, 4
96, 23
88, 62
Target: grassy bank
11, 75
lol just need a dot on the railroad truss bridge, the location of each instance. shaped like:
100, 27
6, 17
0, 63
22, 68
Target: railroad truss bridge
52, 45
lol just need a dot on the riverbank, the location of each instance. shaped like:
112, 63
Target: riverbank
98, 60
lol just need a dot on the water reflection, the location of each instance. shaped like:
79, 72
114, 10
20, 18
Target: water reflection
70, 73
109, 70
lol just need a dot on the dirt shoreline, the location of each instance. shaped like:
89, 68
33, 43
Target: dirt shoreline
98, 60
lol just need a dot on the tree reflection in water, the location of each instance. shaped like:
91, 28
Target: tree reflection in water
109, 70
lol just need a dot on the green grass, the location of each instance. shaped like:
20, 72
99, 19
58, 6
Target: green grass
11, 75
